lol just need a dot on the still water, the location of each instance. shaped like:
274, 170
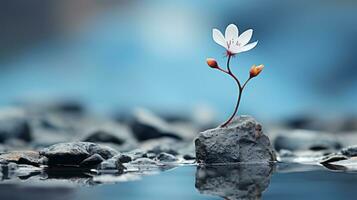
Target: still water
289, 181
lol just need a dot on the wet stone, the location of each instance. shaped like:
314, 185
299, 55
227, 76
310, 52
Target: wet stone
22, 157
241, 141
93, 160
112, 164
165, 157
74, 153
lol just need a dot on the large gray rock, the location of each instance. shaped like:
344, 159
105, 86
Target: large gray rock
241, 141
233, 182
74, 153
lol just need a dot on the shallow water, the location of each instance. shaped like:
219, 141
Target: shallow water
284, 181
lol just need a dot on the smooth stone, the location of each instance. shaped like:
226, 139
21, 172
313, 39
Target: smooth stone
306, 140
92, 160
145, 125
111, 133
241, 141
165, 157
112, 164
74, 153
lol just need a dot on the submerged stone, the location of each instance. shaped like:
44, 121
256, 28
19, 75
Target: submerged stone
241, 141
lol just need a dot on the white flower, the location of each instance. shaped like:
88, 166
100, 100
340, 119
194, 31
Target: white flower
233, 42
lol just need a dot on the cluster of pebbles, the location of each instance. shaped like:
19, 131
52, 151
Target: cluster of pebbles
63, 140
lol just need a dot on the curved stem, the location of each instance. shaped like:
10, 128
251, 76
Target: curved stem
235, 109
246, 83
231, 74
240, 87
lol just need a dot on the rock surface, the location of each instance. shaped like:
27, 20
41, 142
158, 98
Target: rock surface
241, 141
74, 153
22, 157
92, 160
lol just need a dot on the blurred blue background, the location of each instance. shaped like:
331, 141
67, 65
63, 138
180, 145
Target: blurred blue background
116, 55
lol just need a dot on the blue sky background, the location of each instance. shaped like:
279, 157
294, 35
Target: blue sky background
152, 54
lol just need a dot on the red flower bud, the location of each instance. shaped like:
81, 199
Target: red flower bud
212, 62
255, 70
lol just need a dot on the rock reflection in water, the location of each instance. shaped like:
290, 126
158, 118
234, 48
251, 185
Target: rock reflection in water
242, 181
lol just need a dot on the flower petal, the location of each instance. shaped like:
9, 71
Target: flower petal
219, 38
231, 32
244, 38
248, 47
234, 49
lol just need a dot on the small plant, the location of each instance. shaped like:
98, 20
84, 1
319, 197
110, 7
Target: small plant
234, 44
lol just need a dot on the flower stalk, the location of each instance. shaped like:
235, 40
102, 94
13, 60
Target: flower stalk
240, 89
234, 44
